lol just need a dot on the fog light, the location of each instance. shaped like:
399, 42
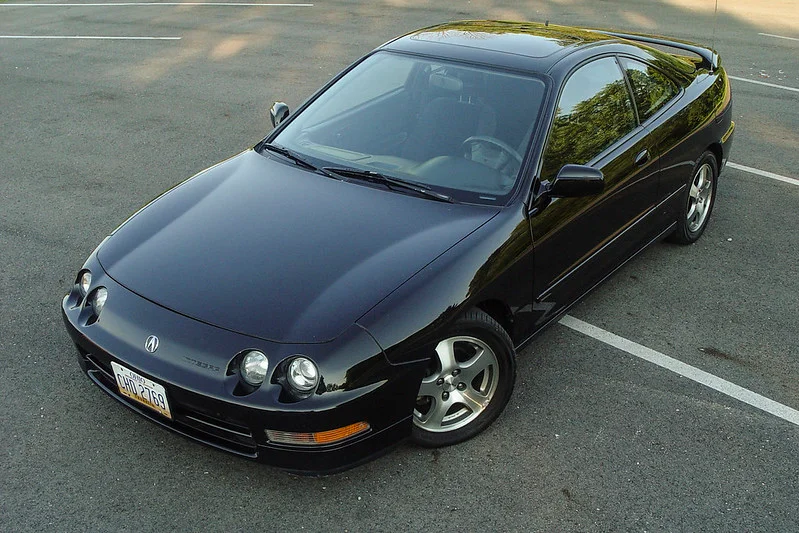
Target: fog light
303, 375
318, 438
254, 367
98, 299
85, 282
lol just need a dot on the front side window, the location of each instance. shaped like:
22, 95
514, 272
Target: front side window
458, 129
594, 111
651, 88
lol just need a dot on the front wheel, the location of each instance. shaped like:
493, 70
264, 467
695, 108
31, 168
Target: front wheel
468, 384
697, 201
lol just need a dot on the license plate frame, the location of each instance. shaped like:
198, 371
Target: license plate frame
142, 390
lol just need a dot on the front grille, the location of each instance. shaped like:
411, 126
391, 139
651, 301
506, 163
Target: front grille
187, 420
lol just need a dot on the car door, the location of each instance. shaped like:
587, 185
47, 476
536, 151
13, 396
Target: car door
579, 241
654, 93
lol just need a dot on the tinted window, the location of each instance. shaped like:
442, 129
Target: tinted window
594, 112
651, 89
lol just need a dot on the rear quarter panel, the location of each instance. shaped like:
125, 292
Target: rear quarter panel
693, 124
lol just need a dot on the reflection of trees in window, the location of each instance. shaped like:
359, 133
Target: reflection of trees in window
651, 89
593, 125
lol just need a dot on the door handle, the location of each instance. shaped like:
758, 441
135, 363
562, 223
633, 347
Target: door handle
642, 158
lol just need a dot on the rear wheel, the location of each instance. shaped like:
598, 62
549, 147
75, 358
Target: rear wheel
698, 201
468, 383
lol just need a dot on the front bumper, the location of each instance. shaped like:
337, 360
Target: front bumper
204, 406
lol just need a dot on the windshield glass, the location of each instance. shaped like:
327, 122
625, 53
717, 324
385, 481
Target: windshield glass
460, 130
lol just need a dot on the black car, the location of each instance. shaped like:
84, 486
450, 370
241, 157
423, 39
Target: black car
368, 271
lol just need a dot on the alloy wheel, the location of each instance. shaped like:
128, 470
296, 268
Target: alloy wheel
459, 386
699, 198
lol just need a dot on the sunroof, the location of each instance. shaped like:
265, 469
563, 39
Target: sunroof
533, 40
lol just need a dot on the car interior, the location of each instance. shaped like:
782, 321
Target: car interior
458, 128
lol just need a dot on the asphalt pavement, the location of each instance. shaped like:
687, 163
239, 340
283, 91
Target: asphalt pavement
594, 438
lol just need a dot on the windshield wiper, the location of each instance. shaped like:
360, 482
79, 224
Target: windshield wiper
389, 181
298, 160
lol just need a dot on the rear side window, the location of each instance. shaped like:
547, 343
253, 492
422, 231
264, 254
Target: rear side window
651, 89
594, 111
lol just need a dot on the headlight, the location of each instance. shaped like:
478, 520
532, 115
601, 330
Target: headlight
254, 367
85, 282
98, 299
303, 374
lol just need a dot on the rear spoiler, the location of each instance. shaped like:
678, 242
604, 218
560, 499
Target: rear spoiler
710, 59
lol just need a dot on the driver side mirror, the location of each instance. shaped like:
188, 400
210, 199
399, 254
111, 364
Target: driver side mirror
574, 181
278, 113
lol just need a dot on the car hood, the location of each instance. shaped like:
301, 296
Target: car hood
267, 249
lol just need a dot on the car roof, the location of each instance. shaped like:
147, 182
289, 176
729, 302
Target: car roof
519, 45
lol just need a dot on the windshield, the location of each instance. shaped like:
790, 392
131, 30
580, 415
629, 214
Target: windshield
456, 129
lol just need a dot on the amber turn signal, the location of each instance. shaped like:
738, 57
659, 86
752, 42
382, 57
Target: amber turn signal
318, 438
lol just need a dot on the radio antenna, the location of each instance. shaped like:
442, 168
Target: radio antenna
715, 21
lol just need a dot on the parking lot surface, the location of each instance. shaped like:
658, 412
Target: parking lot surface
106, 106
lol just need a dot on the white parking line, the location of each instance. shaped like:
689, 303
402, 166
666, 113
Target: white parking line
763, 173
92, 37
779, 36
794, 89
129, 4
678, 367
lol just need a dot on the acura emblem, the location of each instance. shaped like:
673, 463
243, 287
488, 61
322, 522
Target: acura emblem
151, 344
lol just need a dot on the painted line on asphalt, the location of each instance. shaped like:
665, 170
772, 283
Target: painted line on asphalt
678, 367
135, 4
779, 36
794, 89
763, 173
92, 37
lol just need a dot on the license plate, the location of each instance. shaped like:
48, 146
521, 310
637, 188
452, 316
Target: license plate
139, 388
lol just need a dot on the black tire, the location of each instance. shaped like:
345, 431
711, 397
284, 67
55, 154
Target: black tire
691, 223
470, 392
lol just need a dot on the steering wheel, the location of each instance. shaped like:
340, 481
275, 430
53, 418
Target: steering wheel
505, 147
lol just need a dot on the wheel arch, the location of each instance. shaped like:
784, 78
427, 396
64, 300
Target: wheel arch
717, 151
499, 311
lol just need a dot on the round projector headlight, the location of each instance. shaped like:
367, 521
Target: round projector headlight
85, 282
303, 374
254, 367
98, 300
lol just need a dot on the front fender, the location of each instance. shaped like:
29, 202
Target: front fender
493, 263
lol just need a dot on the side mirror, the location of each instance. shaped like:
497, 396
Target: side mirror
278, 113
574, 181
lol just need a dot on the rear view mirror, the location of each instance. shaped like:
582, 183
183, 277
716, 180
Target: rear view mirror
574, 181
278, 113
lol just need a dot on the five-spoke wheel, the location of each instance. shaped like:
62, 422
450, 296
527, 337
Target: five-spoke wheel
460, 387
699, 197
468, 382
697, 201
